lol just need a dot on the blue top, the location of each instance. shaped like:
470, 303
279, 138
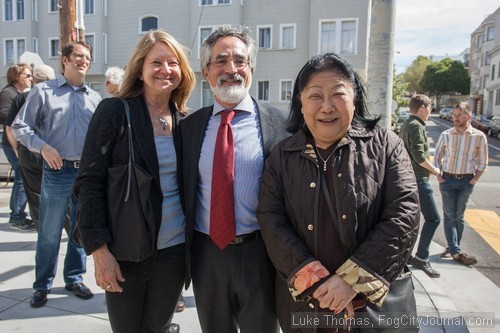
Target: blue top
172, 218
60, 114
248, 167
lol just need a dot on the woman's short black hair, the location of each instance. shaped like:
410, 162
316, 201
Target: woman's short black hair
323, 63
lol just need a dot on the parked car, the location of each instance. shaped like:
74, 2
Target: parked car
445, 112
494, 128
481, 122
400, 117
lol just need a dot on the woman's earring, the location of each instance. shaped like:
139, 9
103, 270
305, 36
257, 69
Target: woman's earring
302, 111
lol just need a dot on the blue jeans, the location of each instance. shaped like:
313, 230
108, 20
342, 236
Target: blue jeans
455, 194
17, 196
431, 218
57, 195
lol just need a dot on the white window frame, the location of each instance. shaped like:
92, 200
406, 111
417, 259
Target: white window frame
261, 27
105, 48
202, 89
490, 33
85, 7
142, 32
56, 3
34, 45
97, 86
14, 12
15, 49
93, 45
104, 7
200, 42
288, 25
281, 100
338, 35
214, 3
268, 90
54, 56
34, 10
6, 61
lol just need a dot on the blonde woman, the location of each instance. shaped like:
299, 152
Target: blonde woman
140, 296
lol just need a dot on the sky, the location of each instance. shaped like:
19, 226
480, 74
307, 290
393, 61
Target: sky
436, 27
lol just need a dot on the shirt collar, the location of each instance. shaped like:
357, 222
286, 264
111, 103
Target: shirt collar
61, 81
246, 104
467, 130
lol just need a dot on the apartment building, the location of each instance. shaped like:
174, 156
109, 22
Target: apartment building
287, 32
484, 68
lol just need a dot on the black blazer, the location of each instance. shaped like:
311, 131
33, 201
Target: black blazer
106, 145
192, 131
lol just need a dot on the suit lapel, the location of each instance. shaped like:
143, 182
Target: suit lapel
266, 128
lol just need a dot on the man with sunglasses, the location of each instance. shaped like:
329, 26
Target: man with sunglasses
53, 122
462, 157
233, 278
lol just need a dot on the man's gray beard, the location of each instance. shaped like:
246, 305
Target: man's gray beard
230, 94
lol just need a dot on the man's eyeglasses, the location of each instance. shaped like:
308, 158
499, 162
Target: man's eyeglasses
458, 114
80, 56
222, 62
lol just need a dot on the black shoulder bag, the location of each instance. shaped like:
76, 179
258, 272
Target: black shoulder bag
130, 212
399, 305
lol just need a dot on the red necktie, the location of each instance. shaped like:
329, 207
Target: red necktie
222, 226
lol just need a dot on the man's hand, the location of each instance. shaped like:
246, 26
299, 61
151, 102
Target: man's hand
51, 156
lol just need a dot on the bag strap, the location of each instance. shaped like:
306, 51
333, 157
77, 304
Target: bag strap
131, 157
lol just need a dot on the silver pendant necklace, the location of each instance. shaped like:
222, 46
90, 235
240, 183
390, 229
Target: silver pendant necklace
163, 122
325, 161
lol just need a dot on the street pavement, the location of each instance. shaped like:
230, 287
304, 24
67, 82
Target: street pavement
460, 291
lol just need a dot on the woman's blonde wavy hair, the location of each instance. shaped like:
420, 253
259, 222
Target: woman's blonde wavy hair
133, 86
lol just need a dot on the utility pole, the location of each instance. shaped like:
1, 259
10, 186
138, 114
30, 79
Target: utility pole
70, 31
381, 55
67, 19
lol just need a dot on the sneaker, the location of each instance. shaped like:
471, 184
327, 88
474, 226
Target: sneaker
446, 253
465, 259
173, 328
26, 225
425, 266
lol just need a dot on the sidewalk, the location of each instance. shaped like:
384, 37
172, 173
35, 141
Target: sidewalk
459, 291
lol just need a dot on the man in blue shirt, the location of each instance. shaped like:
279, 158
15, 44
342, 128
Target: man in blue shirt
233, 279
53, 122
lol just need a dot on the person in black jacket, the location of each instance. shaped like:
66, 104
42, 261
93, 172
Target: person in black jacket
338, 206
140, 296
30, 163
19, 78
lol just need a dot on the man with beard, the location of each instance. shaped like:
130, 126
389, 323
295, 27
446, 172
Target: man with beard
462, 156
224, 148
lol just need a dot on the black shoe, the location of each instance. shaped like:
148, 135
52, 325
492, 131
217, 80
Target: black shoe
173, 328
425, 266
80, 290
39, 298
26, 225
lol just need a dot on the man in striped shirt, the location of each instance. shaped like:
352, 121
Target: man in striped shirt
462, 156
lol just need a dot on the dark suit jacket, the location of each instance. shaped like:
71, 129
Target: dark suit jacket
106, 145
192, 132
